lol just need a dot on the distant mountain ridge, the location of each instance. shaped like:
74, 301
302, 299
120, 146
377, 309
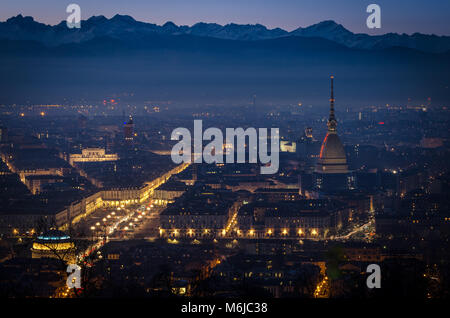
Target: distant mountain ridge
123, 27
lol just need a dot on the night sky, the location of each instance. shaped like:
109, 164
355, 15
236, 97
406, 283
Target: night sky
400, 16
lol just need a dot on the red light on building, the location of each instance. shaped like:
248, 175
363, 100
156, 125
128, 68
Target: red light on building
381, 123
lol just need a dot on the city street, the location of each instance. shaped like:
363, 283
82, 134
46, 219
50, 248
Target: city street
121, 223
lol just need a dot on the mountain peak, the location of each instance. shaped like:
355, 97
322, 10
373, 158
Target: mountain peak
169, 24
170, 27
327, 29
328, 25
20, 19
97, 18
124, 18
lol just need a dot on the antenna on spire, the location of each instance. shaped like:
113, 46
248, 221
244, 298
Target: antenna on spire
332, 119
332, 100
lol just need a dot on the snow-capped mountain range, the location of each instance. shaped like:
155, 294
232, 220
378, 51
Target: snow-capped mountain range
123, 27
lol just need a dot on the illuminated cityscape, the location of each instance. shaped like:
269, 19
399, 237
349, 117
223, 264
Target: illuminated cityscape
88, 177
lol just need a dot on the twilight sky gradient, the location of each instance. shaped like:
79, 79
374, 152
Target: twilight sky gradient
400, 16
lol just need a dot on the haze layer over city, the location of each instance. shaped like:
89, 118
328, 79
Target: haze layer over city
195, 154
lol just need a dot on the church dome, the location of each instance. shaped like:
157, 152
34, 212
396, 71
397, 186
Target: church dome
332, 158
53, 240
332, 148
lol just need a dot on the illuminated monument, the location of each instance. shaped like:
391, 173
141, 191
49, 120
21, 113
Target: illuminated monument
92, 155
54, 244
331, 171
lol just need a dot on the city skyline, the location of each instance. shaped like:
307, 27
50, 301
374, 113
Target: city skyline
193, 165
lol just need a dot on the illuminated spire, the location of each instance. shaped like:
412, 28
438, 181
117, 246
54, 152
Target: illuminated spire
332, 123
